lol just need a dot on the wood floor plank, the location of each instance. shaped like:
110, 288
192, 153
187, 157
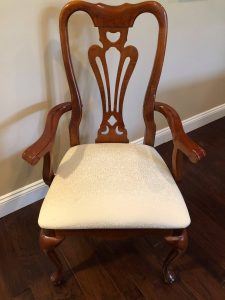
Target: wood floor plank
155, 256
124, 266
92, 277
29, 268
25, 295
4, 287
202, 289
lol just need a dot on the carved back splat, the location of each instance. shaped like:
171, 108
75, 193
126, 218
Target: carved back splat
113, 19
112, 128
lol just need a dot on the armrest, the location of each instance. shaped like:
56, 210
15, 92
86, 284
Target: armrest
44, 144
181, 141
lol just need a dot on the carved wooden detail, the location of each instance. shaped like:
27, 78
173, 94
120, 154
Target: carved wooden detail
112, 128
113, 19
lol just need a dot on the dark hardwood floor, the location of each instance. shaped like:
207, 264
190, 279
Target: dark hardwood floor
128, 269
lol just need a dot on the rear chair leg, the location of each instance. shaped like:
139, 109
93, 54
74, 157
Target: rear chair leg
179, 242
48, 242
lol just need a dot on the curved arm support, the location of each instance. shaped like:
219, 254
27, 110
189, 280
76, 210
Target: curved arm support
44, 144
182, 143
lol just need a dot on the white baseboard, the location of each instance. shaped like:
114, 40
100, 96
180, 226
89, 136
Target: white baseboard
37, 190
22, 197
192, 123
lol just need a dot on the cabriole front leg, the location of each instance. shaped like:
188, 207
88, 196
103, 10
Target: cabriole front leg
179, 241
48, 242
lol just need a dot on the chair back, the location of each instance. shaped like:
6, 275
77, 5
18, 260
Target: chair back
113, 20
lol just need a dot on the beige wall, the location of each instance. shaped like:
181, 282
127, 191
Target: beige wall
32, 76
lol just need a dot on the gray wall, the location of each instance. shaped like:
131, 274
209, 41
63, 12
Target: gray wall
33, 80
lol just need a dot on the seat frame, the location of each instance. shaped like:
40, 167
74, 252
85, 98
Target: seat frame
114, 19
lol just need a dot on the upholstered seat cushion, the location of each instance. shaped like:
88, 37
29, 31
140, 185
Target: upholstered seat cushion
113, 186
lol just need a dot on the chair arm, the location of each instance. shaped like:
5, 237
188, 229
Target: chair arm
44, 144
180, 140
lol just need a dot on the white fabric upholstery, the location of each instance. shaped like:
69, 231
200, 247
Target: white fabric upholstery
113, 186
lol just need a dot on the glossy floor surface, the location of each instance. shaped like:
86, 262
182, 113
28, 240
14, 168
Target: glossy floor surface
128, 269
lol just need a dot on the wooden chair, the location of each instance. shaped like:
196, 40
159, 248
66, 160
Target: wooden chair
113, 188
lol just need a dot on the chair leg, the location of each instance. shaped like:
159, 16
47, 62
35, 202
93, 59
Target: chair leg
179, 242
48, 242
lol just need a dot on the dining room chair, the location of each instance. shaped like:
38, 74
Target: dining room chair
112, 188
